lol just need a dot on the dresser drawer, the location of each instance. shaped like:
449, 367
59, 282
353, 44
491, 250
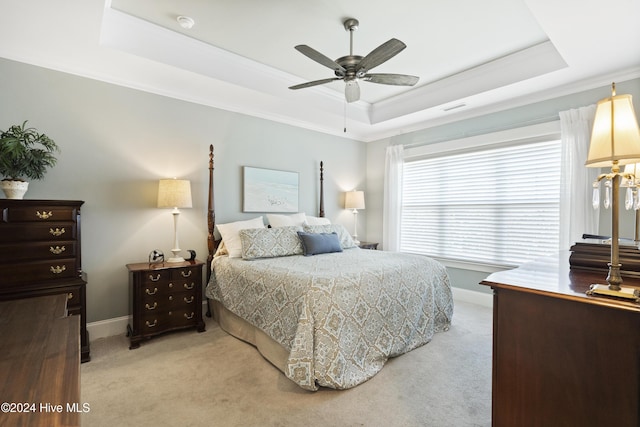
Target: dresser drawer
167, 301
37, 250
38, 213
38, 271
51, 231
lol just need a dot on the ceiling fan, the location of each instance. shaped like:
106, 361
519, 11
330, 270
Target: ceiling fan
352, 68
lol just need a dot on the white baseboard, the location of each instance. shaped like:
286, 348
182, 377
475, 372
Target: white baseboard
108, 327
473, 297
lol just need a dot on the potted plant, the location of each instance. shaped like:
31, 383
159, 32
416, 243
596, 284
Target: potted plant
24, 154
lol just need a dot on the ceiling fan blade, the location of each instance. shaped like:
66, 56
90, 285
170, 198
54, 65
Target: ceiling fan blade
391, 79
314, 83
320, 58
352, 91
382, 53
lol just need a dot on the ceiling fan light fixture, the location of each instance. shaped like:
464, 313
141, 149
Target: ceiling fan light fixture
185, 22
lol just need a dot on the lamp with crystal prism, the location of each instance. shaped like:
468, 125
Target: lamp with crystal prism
174, 193
615, 141
354, 200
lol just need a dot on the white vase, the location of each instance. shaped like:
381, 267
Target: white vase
14, 189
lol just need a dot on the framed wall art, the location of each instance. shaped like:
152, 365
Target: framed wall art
268, 190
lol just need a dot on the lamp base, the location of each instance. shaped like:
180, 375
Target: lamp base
176, 256
624, 293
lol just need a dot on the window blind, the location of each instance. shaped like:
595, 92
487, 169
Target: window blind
494, 206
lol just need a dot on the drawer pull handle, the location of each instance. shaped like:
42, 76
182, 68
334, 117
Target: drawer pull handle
57, 250
70, 296
155, 305
57, 232
151, 293
57, 269
186, 286
156, 278
189, 317
151, 325
190, 300
170, 297
44, 214
187, 274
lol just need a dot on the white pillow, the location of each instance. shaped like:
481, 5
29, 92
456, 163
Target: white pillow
292, 220
230, 233
314, 220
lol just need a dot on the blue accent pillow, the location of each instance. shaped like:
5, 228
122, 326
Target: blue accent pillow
319, 243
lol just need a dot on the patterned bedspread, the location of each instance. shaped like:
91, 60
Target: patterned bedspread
340, 315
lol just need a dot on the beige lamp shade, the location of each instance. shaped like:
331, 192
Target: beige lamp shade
174, 193
615, 135
354, 200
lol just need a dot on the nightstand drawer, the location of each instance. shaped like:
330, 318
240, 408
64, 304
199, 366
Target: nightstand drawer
164, 302
177, 318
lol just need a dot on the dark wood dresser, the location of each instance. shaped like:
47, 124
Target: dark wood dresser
40, 254
164, 297
40, 363
560, 357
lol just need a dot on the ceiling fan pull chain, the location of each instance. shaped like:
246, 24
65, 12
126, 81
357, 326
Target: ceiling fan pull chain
345, 116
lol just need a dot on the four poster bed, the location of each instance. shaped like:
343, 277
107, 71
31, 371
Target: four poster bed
320, 309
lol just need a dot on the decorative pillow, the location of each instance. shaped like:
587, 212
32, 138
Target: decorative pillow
231, 234
314, 220
345, 238
276, 220
270, 242
319, 243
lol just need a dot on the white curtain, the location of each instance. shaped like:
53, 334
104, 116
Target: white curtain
577, 215
392, 210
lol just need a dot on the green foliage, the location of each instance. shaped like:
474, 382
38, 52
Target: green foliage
25, 153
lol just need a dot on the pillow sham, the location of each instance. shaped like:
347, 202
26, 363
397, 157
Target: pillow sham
315, 220
346, 241
319, 243
270, 242
279, 220
230, 233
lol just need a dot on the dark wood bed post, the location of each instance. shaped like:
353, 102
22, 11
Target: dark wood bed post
321, 213
211, 216
211, 223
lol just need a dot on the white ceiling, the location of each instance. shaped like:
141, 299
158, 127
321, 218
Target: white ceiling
472, 57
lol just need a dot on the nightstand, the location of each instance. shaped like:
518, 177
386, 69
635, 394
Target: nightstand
164, 297
368, 245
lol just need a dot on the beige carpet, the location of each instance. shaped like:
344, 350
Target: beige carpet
212, 379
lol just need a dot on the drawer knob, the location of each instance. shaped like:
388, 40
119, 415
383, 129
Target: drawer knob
70, 296
149, 307
189, 317
57, 232
44, 214
57, 250
151, 292
154, 279
57, 269
170, 297
187, 286
186, 274
189, 300
151, 325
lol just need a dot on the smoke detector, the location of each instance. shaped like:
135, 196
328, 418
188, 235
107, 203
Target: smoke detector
185, 22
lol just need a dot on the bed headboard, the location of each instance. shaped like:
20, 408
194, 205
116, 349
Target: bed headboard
212, 243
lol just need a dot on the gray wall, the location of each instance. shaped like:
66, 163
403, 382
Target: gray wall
516, 117
117, 142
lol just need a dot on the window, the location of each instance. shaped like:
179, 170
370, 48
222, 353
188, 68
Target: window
496, 205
